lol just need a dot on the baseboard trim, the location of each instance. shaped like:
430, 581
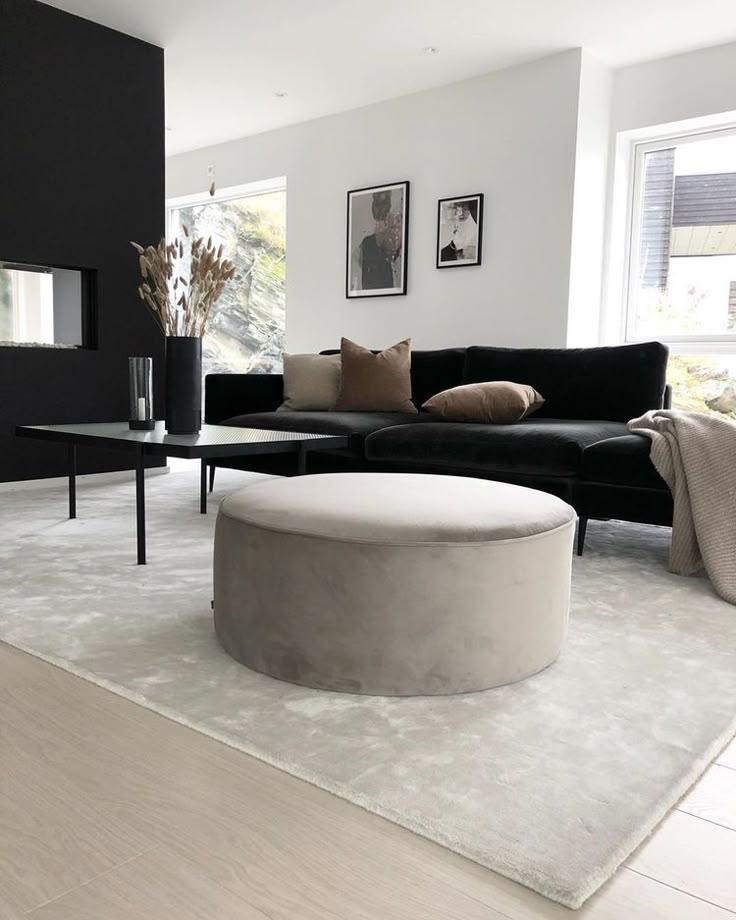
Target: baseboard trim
87, 478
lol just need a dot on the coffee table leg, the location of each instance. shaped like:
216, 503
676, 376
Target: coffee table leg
301, 467
203, 487
72, 458
140, 505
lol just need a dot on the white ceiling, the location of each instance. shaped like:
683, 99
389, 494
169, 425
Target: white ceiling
226, 59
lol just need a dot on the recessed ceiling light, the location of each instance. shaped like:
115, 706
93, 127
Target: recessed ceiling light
430, 49
280, 94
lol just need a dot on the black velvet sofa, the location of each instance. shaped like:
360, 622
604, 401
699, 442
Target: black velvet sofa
576, 446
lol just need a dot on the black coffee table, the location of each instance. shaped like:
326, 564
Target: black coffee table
212, 441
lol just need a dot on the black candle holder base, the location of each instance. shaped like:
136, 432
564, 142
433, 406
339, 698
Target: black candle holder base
148, 425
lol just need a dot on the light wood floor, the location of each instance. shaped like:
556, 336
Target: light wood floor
111, 812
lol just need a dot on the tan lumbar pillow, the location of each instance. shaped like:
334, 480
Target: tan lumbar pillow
375, 383
498, 402
311, 382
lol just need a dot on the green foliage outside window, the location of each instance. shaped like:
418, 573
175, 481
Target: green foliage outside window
704, 383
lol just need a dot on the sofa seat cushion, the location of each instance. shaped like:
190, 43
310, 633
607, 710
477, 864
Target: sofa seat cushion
355, 425
536, 446
622, 461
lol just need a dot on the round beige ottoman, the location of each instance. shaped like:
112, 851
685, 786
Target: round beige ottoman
393, 583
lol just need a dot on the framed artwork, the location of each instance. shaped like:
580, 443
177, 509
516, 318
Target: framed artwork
378, 229
459, 231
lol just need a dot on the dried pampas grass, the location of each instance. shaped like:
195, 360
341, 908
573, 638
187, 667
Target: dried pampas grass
181, 306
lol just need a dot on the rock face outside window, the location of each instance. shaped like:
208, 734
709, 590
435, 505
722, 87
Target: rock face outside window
245, 332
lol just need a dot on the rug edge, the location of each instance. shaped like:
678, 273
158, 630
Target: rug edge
666, 804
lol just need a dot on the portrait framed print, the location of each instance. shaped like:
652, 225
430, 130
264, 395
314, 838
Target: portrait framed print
377, 240
459, 231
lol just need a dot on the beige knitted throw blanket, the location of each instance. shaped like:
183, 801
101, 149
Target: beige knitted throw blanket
695, 454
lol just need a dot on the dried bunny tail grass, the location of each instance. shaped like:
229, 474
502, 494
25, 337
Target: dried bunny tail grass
185, 310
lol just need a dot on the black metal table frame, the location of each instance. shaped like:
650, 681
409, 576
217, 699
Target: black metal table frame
186, 452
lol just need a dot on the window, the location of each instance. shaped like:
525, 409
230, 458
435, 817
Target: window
682, 263
245, 331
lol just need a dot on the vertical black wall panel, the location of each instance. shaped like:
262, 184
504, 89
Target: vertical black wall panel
81, 174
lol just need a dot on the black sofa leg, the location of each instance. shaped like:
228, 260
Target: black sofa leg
212, 476
582, 527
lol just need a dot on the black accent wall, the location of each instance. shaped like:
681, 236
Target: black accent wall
81, 174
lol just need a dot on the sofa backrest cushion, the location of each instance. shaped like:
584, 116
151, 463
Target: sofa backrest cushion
431, 371
611, 384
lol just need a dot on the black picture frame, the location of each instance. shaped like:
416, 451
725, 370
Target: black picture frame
373, 251
446, 250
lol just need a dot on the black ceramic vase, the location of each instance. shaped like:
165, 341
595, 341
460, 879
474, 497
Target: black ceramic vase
183, 384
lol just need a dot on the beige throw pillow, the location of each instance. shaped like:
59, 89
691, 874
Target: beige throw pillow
311, 382
375, 383
499, 402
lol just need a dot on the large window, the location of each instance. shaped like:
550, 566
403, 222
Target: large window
245, 332
682, 263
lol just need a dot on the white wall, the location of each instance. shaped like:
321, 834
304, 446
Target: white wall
542, 141
589, 202
672, 89
510, 134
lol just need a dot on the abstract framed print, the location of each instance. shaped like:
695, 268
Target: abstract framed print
377, 241
459, 231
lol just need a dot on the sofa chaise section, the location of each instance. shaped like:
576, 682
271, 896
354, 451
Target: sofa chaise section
618, 480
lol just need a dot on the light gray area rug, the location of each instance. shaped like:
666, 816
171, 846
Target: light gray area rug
551, 782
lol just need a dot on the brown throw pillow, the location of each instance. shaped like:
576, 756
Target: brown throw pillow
375, 383
499, 402
310, 382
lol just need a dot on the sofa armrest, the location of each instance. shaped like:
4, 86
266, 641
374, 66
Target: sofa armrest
667, 401
226, 395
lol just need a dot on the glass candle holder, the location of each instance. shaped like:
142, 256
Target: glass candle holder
140, 378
